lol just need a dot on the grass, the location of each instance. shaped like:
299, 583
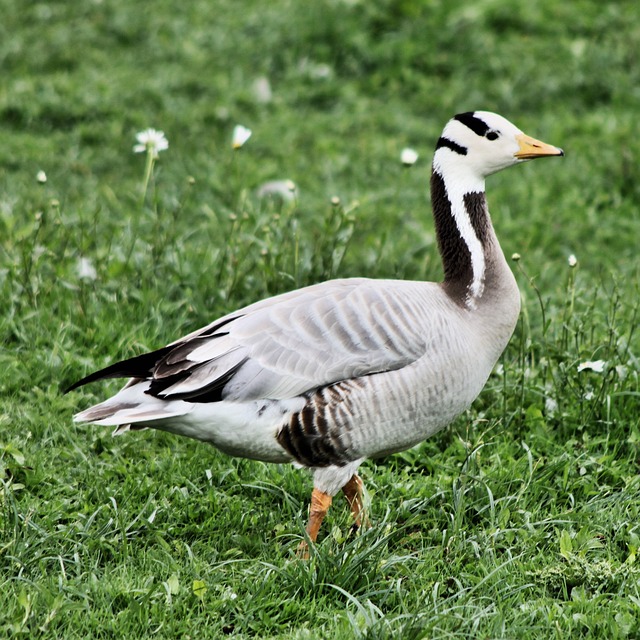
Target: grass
520, 520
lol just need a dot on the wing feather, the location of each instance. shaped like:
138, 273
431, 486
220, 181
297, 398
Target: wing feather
293, 343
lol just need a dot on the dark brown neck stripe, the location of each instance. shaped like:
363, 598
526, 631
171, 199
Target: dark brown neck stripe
476, 206
456, 257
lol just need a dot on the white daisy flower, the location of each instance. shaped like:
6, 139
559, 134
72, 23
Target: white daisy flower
262, 90
85, 269
572, 260
408, 156
240, 136
595, 365
284, 189
550, 406
41, 177
151, 141
622, 371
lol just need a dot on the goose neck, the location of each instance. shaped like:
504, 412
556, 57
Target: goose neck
464, 233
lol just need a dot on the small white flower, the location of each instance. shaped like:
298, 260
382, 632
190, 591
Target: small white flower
408, 156
515, 257
622, 371
315, 70
572, 260
41, 177
283, 189
85, 269
595, 365
151, 141
321, 71
262, 90
550, 406
240, 136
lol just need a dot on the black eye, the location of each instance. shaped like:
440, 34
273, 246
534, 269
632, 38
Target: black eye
491, 135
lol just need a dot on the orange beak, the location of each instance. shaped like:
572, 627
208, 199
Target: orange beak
532, 148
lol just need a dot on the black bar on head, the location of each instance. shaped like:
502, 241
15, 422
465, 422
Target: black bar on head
450, 144
469, 119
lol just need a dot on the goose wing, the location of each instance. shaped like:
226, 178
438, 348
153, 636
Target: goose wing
287, 345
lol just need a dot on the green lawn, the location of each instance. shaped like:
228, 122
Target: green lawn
522, 520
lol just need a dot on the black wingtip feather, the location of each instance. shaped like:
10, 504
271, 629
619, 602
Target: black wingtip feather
211, 392
137, 367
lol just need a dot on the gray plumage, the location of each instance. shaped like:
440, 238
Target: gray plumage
344, 370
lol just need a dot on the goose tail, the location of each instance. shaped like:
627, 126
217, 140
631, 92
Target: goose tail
131, 406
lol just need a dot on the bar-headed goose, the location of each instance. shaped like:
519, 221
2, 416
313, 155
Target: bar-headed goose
344, 370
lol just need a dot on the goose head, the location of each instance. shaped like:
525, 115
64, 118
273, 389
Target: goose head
475, 144
472, 146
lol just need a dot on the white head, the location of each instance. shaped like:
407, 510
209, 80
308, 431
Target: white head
476, 144
473, 145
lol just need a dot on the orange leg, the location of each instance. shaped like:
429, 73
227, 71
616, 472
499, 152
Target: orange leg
320, 503
353, 493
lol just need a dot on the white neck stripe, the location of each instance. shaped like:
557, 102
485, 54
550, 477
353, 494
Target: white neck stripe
457, 187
